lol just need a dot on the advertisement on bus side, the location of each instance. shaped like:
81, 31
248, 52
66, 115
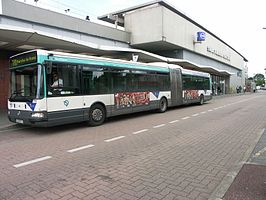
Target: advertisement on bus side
130, 99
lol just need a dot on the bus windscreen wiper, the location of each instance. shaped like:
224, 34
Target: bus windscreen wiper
17, 92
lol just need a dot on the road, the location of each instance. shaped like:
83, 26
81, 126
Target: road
183, 154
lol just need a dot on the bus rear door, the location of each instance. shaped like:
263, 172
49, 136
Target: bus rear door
176, 87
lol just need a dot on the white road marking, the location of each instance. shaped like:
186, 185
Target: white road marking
80, 148
32, 161
174, 121
158, 126
203, 112
194, 115
141, 131
115, 138
210, 110
185, 118
14, 129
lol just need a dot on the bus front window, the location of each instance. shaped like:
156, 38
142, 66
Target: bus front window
26, 83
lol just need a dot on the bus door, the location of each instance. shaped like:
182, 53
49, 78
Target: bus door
64, 100
176, 86
96, 86
122, 86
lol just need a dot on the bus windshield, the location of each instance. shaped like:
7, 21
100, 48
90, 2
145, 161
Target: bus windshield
26, 83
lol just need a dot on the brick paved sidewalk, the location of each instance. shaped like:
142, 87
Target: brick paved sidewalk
250, 183
4, 122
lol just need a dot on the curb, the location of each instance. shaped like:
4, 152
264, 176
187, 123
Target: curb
222, 188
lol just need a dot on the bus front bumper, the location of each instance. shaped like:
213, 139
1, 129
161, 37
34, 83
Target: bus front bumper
28, 117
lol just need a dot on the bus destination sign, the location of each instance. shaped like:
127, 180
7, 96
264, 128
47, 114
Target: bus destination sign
23, 59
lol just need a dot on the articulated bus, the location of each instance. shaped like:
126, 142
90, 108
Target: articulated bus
89, 88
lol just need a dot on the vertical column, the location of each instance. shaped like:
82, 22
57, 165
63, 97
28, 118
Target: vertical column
4, 77
1, 10
4, 82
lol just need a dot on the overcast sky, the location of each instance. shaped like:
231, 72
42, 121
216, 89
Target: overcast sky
238, 22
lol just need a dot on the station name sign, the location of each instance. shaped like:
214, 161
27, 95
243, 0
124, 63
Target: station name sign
23, 59
218, 53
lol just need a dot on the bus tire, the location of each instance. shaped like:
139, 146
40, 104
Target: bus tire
97, 115
201, 102
162, 105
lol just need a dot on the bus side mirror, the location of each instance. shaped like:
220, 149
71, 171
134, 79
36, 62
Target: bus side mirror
49, 68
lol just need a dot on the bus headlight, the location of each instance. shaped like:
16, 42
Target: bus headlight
37, 115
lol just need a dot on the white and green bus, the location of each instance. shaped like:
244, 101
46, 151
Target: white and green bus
91, 88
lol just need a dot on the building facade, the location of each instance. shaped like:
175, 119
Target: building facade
154, 31
159, 28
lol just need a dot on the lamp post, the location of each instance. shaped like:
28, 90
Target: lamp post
264, 78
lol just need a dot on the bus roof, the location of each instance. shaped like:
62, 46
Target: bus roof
102, 61
55, 56
184, 71
195, 73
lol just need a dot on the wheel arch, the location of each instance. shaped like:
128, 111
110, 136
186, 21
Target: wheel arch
98, 102
162, 108
201, 97
164, 97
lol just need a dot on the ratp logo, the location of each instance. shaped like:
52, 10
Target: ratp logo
201, 36
66, 103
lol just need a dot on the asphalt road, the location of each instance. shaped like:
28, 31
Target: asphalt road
185, 153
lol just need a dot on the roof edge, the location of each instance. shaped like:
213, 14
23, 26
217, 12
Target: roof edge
170, 7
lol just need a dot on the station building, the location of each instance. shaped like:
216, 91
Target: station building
150, 32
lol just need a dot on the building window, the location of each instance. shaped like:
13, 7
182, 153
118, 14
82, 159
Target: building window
239, 73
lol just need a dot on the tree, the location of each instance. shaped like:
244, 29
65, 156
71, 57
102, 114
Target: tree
259, 79
250, 78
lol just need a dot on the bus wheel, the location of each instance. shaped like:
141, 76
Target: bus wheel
97, 115
162, 105
201, 100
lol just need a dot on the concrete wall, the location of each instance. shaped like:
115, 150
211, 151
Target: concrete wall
182, 32
34, 14
145, 25
158, 23
58, 33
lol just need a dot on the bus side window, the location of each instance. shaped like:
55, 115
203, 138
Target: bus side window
86, 81
121, 80
95, 80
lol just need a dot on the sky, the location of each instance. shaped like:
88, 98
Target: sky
239, 23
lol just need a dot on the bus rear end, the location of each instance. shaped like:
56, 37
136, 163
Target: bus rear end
26, 103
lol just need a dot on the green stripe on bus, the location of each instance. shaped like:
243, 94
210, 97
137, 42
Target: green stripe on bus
106, 63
